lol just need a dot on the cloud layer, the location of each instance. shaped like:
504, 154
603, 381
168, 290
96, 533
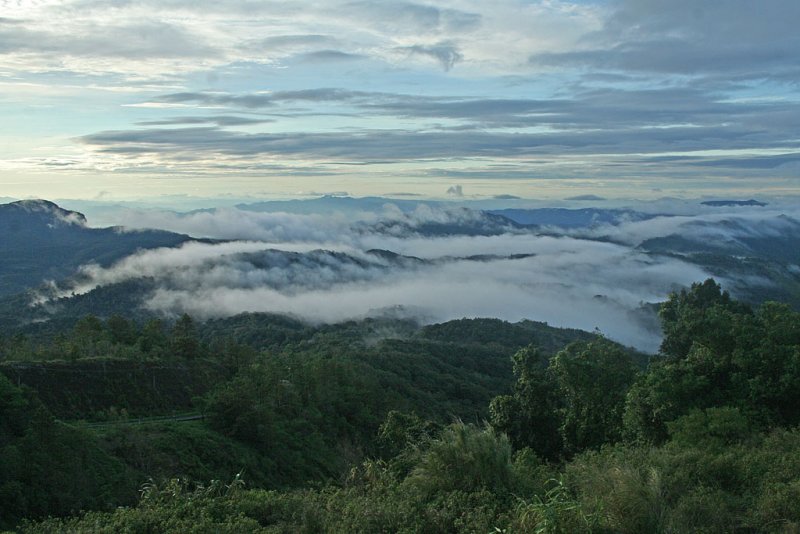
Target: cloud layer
327, 268
642, 94
564, 281
438, 262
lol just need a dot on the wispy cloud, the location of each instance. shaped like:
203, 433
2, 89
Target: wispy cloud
721, 40
437, 262
328, 268
629, 130
446, 54
219, 120
325, 285
631, 92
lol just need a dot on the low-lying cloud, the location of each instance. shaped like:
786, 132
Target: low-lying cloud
436, 263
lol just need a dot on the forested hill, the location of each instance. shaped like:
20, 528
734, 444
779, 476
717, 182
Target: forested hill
291, 403
41, 241
383, 426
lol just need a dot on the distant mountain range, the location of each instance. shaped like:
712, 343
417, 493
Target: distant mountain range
726, 203
286, 271
775, 239
758, 258
41, 241
448, 222
571, 218
332, 203
493, 218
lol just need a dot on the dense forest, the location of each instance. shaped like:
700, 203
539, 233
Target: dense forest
262, 423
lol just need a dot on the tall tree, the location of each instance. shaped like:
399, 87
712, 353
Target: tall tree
184, 341
593, 379
529, 416
717, 353
700, 315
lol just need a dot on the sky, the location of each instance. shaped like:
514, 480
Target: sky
126, 99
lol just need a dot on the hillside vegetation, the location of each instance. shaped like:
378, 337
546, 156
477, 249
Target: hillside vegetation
383, 426
43, 242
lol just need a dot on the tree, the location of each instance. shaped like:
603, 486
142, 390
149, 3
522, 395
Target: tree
529, 416
184, 341
718, 353
593, 379
700, 315
401, 430
152, 337
49, 468
121, 330
89, 329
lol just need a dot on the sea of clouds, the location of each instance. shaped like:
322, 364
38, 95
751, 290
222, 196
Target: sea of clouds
339, 266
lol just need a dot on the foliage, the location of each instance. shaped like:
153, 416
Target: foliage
682, 487
111, 389
115, 338
701, 315
401, 430
556, 512
712, 428
347, 425
370, 500
593, 379
307, 416
464, 458
530, 415
569, 403
502, 333
719, 353
49, 468
187, 450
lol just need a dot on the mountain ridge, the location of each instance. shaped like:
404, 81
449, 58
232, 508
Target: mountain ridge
42, 241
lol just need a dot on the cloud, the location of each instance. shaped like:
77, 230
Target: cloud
509, 289
403, 194
604, 287
455, 191
602, 121
730, 225
271, 98
761, 162
231, 223
347, 223
391, 145
329, 56
235, 32
634, 92
436, 262
586, 198
258, 100
412, 18
139, 40
729, 37
725, 38
446, 54
281, 42
219, 120
328, 268
655, 133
